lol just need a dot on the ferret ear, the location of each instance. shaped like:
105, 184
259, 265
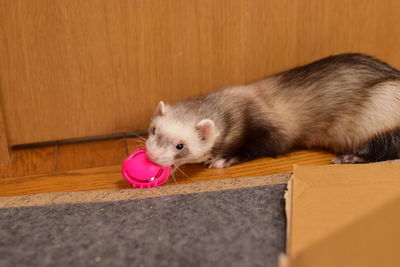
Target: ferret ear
205, 128
160, 110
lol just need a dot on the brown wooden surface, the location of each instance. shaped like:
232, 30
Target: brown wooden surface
65, 168
31, 161
83, 68
326, 27
4, 153
90, 154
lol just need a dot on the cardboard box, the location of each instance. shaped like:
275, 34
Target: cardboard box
343, 215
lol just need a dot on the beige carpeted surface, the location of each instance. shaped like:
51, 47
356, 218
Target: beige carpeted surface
136, 193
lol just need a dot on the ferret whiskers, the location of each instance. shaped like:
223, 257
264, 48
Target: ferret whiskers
141, 138
184, 174
173, 177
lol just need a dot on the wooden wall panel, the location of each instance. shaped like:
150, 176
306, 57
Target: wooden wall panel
331, 27
78, 68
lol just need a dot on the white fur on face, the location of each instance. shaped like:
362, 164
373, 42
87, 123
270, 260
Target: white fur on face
173, 132
159, 155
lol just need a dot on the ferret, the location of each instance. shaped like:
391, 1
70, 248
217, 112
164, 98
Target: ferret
348, 104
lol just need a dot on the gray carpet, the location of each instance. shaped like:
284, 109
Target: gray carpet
241, 227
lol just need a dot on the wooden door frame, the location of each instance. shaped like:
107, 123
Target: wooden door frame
4, 150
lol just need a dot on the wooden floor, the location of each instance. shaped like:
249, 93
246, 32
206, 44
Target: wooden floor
96, 165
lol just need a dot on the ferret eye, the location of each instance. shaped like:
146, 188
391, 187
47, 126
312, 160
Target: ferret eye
153, 131
179, 146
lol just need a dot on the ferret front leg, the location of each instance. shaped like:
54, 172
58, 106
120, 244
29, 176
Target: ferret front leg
219, 162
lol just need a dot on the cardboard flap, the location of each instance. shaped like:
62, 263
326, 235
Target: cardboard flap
329, 199
371, 241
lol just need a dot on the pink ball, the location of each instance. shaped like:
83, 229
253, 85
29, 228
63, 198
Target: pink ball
140, 172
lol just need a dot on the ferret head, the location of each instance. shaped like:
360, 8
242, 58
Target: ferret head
177, 137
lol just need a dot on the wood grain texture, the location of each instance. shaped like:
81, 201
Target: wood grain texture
331, 27
90, 154
30, 161
76, 68
109, 177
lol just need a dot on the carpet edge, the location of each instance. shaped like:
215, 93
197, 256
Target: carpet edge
136, 193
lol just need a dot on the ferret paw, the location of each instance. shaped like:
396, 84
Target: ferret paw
220, 163
348, 159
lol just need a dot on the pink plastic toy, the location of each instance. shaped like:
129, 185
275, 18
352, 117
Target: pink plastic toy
140, 172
